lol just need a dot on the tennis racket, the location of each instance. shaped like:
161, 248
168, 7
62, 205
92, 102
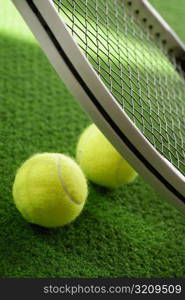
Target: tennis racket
125, 65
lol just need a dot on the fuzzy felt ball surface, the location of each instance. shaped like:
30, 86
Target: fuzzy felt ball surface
50, 190
100, 161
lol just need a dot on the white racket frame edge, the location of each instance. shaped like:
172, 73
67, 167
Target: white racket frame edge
145, 11
105, 98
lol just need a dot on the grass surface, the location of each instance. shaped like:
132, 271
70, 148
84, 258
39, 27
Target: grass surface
128, 232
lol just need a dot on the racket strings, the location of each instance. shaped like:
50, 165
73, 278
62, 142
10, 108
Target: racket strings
85, 33
136, 67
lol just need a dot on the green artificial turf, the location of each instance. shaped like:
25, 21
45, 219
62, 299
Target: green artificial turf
127, 232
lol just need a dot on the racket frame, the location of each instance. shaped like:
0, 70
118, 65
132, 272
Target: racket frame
82, 80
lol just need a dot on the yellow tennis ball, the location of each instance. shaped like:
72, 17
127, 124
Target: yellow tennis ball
50, 190
99, 160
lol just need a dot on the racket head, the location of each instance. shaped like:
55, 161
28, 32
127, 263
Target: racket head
97, 100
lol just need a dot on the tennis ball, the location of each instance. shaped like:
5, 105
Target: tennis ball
50, 190
99, 160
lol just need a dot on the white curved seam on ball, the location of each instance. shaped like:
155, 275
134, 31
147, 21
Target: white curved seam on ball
87, 138
59, 171
121, 160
